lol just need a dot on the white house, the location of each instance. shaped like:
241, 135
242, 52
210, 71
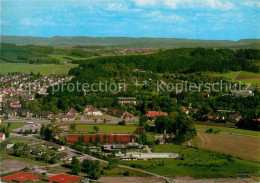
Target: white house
92, 111
2, 137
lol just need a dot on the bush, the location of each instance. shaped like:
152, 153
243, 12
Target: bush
126, 173
122, 123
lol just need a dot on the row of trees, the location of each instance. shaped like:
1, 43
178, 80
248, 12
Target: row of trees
91, 168
178, 126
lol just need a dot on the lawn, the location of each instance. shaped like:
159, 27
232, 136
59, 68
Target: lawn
235, 145
243, 76
44, 69
106, 128
14, 125
197, 163
25, 140
229, 130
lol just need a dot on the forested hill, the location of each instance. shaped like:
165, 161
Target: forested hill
176, 60
132, 42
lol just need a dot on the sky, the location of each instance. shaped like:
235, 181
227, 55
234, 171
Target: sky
193, 19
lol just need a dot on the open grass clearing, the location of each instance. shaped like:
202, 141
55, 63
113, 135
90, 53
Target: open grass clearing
103, 128
197, 163
243, 76
65, 58
44, 69
239, 146
25, 140
14, 125
229, 130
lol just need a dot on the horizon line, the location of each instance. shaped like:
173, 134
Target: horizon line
133, 37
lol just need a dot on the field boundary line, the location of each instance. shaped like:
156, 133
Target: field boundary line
232, 133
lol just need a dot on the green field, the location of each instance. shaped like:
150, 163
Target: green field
25, 140
229, 130
243, 76
106, 128
14, 125
197, 163
44, 69
62, 59
229, 75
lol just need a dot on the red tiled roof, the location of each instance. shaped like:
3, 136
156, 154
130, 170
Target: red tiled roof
63, 178
151, 114
1, 135
110, 138
20, 177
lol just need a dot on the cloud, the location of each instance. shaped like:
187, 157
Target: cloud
187, 4
252, 4
117, 7
157, 16
145, 2
36, 21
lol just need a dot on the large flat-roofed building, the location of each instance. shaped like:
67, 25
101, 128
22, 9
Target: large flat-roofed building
145, 156
126, 100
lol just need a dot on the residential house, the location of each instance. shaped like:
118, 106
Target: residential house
44, 114
2, 137
15, 105
235, 117
153, 114
10, 113
72, 112
92, 111
63, 117
119, 113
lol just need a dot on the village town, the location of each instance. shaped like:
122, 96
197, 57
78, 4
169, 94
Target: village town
111, 134
134, 91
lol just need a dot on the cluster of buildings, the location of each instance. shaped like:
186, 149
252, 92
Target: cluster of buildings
23, 87
21, 84
134, 50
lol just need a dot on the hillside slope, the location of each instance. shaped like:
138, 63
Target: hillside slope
127, 41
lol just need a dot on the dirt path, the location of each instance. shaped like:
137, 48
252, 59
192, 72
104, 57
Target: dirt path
236, 76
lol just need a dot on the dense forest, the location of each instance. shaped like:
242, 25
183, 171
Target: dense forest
178, 60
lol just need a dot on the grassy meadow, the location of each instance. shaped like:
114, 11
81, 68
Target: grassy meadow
243, 76
14, 125
65, 58
44, 69
245, 147
88, 128
229, 130
197, 163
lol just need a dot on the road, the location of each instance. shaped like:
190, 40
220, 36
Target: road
236, 76
86, 156
148, 149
